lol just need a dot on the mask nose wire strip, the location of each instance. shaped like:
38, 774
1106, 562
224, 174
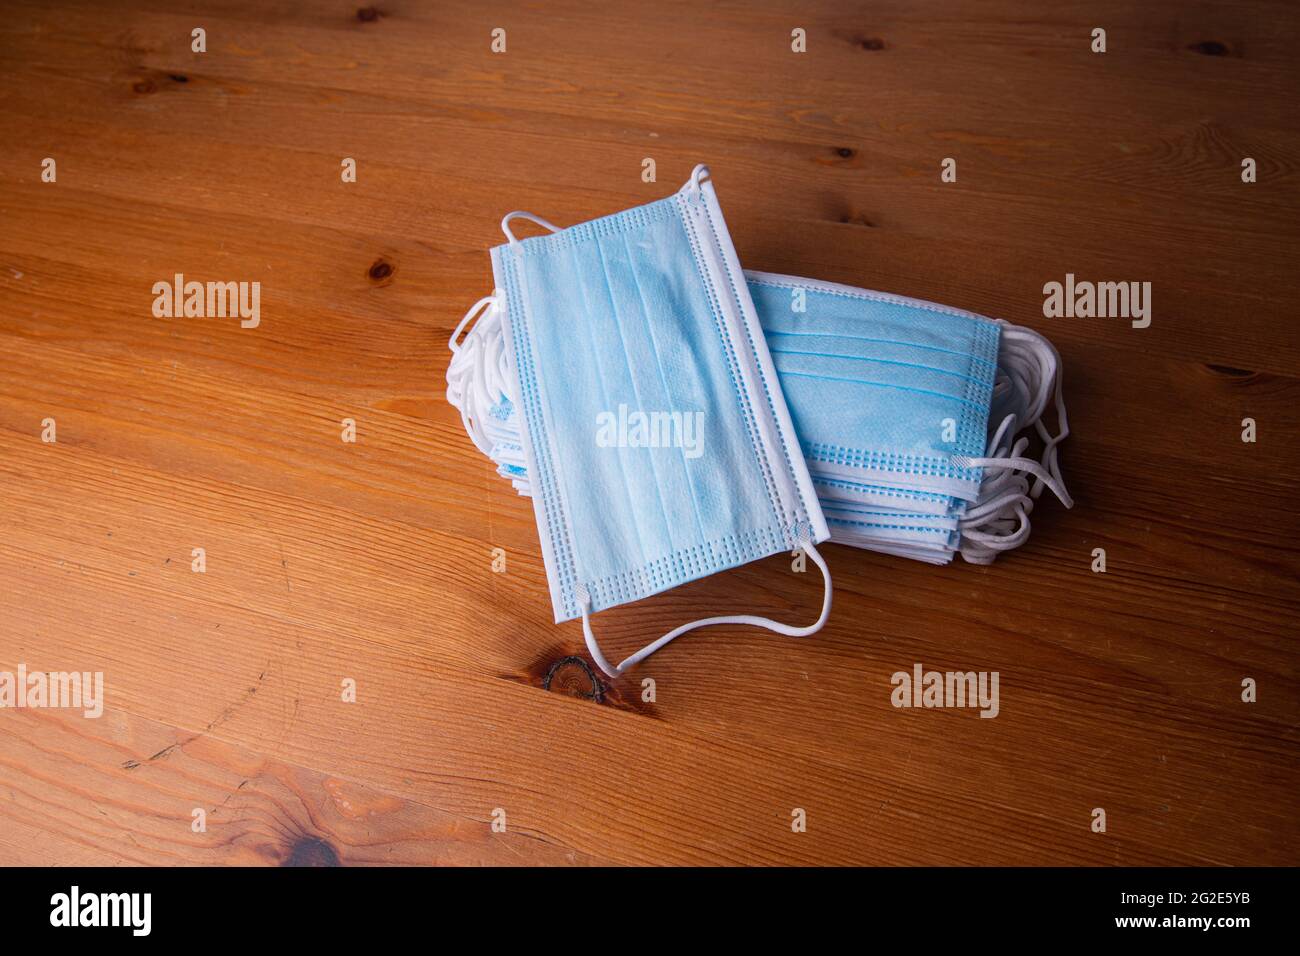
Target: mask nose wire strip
751, 619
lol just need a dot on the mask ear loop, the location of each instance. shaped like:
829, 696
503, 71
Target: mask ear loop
1034, 366
1012, 463
1029, 375
487, 300
520, 214
982, 547
478, 372
468, 388
693, 183
593, 648
1046, 376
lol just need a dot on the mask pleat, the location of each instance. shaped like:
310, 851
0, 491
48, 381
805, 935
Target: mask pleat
677, 495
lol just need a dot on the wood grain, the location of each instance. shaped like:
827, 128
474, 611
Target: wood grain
371, 561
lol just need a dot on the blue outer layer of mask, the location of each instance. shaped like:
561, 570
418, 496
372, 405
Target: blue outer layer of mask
648, 310
883, 389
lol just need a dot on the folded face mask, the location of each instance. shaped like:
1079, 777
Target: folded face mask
884, 390
893, 399
648, 419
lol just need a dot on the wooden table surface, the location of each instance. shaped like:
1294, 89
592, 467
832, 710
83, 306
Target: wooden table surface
371, 562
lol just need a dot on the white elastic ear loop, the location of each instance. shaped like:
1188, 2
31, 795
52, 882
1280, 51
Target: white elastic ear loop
692, 184
476, 369
1046, 377
473, 309
594, 649
698, 175
1019, 533
1033, 367
983, 547
520, 214
999, 520
1034, 468
1029, 375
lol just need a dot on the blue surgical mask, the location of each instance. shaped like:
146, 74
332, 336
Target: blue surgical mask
892, 398
656, 442
885, 390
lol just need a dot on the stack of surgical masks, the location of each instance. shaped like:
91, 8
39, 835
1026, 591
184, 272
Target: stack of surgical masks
892, 399
672, 416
